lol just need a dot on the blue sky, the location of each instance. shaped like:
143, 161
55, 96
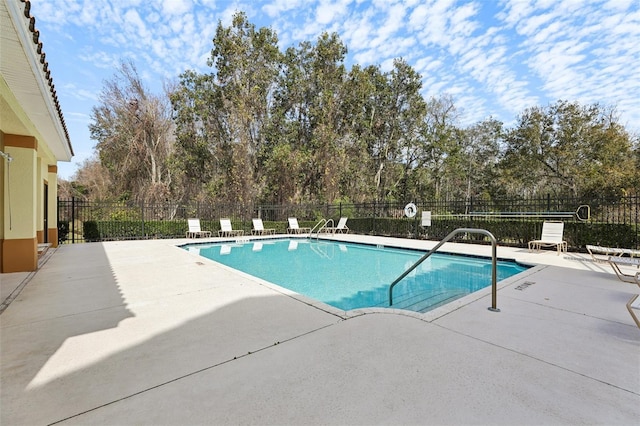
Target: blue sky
495, 58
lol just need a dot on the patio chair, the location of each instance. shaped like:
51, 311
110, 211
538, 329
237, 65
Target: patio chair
227, 231
341, 228
609, 251
617, 261
194, 229
551, 237
426, 219
295, 229
258, 228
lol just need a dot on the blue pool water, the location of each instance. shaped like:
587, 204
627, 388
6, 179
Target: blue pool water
351, 276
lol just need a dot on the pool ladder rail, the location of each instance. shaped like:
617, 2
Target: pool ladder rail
494, 267
322, 224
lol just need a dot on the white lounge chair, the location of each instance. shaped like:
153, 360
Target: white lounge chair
295, 229
616, 262
610, 251
194, 229
227, 231
426, 219
341, 228
258, 228
552, 233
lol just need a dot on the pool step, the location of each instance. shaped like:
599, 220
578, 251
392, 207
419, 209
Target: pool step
419, 292
427, 300
417, 301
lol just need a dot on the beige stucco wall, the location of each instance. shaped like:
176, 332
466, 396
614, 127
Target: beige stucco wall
21, 205
52, 172
19, 244
22, 202
3, 190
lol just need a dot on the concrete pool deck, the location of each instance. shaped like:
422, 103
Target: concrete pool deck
142, 332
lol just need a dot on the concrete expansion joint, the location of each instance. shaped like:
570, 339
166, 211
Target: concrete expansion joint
16, 292
386, 311
193, 373
555, 308
538, 359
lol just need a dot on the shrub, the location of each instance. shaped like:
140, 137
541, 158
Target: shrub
63, 231
90, 231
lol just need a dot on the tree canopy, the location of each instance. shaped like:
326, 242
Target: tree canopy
296, 126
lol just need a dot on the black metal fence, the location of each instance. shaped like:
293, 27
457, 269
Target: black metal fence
588, 221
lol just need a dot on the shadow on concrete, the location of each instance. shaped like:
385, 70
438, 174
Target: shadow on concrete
58, 303
66, 386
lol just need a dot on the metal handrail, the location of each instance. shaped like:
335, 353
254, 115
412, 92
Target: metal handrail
321, 224
584, 208
494, 267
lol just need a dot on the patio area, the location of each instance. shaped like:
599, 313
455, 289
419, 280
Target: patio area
143, 332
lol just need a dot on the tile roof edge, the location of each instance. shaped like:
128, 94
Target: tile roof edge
45, 68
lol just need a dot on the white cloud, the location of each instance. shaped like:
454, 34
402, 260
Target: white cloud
387, 65
78, 117
532, 25
54, 12
277, 7
514, 11
100, 59
328, 11
618, 5
394, 21
176, 7
417, 17
460, 19
358, 33
134, 24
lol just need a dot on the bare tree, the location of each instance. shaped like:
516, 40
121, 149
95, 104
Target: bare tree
135, 136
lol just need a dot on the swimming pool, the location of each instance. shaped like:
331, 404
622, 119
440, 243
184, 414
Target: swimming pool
352, 276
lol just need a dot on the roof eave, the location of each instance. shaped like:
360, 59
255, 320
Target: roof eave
44, 110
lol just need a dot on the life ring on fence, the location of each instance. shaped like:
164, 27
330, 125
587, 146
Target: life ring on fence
410, 210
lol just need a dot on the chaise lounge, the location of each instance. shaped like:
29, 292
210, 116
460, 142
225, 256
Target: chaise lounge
633, 303
609, 251
616, 262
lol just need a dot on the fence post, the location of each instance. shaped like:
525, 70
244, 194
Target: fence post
637, 199
375, 213
142, 217
58, 216
416, 223
73, 220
